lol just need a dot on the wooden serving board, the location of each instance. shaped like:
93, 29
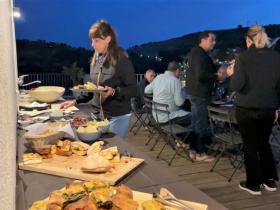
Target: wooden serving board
70, 167
140, 197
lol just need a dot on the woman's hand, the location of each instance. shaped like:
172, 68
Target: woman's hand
67, 104
106, 92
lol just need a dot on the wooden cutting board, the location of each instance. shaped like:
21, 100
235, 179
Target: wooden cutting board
70, 167
140, 197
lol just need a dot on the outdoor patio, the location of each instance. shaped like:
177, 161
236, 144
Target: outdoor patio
212, 183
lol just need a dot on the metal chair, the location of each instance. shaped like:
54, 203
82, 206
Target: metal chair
139, 113
227, 138
169, 131
153, 132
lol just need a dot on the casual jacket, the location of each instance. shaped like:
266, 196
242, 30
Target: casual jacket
256, 79
201, 73
120, 77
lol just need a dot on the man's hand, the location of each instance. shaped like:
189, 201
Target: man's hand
67, 104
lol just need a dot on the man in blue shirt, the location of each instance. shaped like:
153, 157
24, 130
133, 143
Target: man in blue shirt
167, 89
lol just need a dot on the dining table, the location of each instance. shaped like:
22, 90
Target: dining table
148, 177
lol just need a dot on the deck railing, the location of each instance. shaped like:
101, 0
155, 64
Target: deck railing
57, 79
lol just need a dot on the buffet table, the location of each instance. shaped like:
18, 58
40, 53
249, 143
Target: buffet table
149, 177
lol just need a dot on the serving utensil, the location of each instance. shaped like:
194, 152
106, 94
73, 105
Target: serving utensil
167, 198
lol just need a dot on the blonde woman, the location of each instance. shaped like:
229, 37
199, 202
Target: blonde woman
256, 80
112, 69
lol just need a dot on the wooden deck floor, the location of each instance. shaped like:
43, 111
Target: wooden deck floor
212, 183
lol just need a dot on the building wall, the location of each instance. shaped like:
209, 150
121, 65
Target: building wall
8, 107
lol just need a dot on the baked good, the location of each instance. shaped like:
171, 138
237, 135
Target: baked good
74, 191
152, 205
79, 148
83, 204
96, 164
123, 202
110, 152
103, 197
125, 190
32, 158
56, 200
95, 184
96, 147
63, 148
40, 205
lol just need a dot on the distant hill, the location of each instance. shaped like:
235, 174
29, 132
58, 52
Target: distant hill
230, 38
49, 57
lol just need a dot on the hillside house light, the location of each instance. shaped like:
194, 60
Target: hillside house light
16, 12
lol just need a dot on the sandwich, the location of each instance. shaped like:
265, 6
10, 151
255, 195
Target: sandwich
32, 158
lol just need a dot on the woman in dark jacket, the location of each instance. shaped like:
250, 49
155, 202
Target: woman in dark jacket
112, 69
256, 79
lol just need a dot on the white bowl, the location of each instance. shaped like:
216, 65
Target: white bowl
104, 128
39, 141
47, 93
89, 137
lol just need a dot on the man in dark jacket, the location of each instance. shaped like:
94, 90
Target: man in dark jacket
200, 80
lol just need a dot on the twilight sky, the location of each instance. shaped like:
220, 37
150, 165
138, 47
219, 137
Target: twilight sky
137, 21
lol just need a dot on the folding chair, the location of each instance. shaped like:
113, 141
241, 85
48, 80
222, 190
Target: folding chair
168, 131
151, 125
138, 112
226, 137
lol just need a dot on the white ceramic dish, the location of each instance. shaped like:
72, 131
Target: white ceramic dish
47, 93
89, 137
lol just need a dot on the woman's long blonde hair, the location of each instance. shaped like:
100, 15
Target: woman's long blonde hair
103, 29
258, 36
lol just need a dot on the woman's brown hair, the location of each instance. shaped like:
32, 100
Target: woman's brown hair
103, 29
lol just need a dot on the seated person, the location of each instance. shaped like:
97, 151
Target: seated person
148, 78
167, 89
221, 86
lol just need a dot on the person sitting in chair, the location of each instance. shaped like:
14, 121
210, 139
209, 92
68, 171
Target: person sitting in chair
148, 78
221, 86
167, 89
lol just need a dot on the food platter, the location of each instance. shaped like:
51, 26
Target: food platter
71, 167
97, 195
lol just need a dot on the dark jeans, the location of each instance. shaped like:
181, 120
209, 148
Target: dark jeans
184, 121
255, 127
200, 124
